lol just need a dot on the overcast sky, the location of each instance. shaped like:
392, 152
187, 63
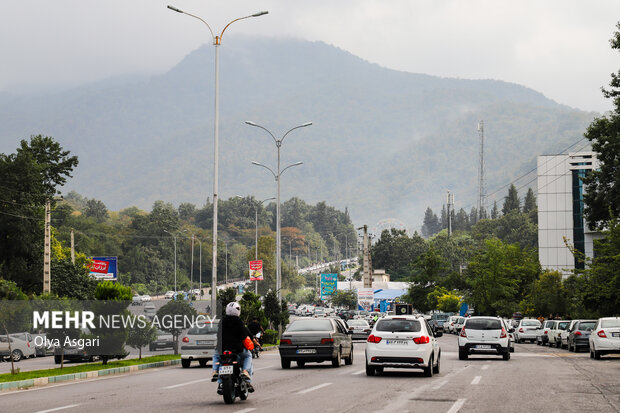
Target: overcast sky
557, 47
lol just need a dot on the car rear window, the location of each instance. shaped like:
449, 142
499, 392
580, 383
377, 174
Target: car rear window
563, 325
483, 324
208, 328
400, 325
610, 323
530, 323
586, 325
310, 325
357, 323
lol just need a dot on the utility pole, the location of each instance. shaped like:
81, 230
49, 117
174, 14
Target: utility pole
47, 249
72, 248
450, 208
481, 190
191, 272
366, 265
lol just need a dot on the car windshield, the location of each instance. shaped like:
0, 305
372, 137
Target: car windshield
399, 325
610, 323
529, 323
207, 328
587, 325
310, 325
483, 324
357, 323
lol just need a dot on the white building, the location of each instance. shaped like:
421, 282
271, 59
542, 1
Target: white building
560, 210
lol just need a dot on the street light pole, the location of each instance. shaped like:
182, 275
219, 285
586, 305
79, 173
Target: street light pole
175, 257
256, 239
277, 176
217, 40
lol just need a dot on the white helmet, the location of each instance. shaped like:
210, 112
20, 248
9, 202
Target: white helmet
233, 309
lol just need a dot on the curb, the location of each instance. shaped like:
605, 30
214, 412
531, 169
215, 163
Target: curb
42, 381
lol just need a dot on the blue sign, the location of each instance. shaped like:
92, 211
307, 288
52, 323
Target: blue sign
104, 268
464, 308
329, 284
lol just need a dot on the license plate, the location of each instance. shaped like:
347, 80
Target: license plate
483, 346
397, 342
226, 369
202, 342
615, 334
306, 351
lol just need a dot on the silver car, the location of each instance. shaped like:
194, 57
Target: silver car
359, 328
527, 330
19, 348
199, 343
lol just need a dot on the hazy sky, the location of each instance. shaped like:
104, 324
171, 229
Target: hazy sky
558, 47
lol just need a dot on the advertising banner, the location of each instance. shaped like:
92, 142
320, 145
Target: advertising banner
365, 298
104, 268
329, 284
256, 270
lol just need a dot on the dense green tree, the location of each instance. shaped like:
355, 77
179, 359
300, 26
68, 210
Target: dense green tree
394, 251
449, 302
548, 297
171, 309
602, 196
141, 335
511, 201
272, 308
494, 211
431, 224
96, 209
345, 299
112, 300
529, 204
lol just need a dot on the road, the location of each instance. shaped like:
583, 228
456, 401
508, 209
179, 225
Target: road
535, 379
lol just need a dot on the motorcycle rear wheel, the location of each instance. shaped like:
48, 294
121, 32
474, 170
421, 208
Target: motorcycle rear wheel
243, 390
228, 390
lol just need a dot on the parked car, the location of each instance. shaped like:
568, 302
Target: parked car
319, 312
199, 343
579, 335
150, 311
136, 300
169, 295
20, 349
458, 325
542, 334
448, 325
403, 342
359, 329
41, 350
146, 298
29, 338
164, 340
316, 340
554, 333
511, 336
526, 330
605, 338
564, 334
484, 335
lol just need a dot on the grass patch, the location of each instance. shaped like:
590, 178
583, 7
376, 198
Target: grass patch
69, 369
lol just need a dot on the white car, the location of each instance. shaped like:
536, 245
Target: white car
448, 326
554, 333
527, 330
605, 338
402, 342
146, 298
169, 295
19, 348
484, 335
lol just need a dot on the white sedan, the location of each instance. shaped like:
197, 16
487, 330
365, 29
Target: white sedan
402, 342
605, 338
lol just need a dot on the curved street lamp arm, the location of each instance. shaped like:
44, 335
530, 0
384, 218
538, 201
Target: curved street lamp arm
266, 167
290, 166
260, 13
196, 17
263, 128
296, 127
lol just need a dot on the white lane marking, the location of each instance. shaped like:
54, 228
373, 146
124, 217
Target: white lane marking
476, 380
358, 372
438, 385
246, 410
262, 368
58, 408
457, 406
174, 386
486, 366
320, 386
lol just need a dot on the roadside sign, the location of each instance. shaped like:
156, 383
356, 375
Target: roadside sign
256, 270
329, 284
104, 268
365, 298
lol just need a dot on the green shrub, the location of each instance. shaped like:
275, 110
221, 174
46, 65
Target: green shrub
271, 336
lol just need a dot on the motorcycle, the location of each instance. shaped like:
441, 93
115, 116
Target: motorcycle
257, 348
233, 384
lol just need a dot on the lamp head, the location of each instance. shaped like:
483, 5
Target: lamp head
306, 124
260, 13
175, 9
251, 123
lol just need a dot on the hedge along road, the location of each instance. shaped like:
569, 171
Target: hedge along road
523, 383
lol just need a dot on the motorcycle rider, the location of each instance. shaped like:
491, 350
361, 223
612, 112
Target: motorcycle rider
231, 334
256, 328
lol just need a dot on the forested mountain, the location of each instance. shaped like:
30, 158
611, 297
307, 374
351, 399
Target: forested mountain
383, 143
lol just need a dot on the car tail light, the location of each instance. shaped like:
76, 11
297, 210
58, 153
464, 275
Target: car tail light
521, 330
601, 334
286, 341
186, 339
422, 340
327, 340
28, 342
546, 332
374, 339
463, 333
577, 333
503, 333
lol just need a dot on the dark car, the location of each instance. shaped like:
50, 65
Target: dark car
316, 340
164, 340
579, 335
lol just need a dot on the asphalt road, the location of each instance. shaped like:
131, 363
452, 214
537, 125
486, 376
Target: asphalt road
535, 379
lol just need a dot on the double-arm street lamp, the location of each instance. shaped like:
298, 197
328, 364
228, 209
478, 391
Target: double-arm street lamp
277, 176
175, 256
256, 238
217, 40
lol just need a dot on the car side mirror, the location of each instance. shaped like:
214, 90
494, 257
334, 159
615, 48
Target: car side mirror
438, 333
